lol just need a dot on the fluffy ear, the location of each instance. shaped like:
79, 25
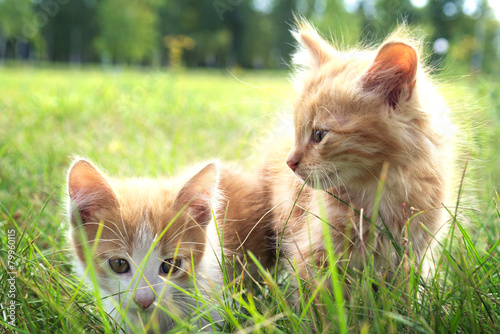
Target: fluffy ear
312, 51
89, 192
393, 72
199, 194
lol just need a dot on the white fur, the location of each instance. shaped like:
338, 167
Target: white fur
118, 289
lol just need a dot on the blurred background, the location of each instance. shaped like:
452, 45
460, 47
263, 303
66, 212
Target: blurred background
254, 34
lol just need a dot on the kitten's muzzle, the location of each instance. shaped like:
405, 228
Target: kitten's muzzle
144, 297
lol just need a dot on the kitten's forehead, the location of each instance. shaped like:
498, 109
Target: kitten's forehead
146, 212
327, 105
144, 237
333, 96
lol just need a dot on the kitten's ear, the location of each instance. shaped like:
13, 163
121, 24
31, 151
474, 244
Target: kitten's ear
199, 194
393, 72
89, 192
313, 51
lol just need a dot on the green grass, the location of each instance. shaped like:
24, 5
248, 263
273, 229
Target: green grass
153, 123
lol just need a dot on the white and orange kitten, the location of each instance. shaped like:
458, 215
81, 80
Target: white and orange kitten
172, 221
357, 111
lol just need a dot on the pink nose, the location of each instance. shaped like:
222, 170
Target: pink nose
292, 163
144, 299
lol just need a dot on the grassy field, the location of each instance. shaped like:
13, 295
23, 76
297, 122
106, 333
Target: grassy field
153, 123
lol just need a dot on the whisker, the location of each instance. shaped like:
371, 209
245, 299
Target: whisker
183, 230
119, 230
123, 224
98, 224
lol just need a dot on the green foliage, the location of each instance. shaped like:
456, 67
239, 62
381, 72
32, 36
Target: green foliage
156, 123
246, 33
14, 14
19, 22
132, 35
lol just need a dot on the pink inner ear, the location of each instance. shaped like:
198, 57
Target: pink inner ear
198, 193
200, 211
393, 70
198, 199
88, 189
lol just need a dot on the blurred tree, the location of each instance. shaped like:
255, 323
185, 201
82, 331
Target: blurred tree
128, 30
18, 24
247, 33
488, 44
332, 16
381, 17
199, 20
71, 29
468, 28
177, 44
259, 48
282, 17
464, 30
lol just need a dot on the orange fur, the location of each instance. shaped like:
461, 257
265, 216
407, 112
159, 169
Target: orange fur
136, 212
245, 217
371, 108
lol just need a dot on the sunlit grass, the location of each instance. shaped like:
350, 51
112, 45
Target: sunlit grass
153, 123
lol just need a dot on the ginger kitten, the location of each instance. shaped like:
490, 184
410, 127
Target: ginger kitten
173, 221
356, 112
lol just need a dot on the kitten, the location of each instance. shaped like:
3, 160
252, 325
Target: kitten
356, 112
135, 213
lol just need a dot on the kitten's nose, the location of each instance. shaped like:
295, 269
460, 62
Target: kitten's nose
293, 159
144, 298
293, 164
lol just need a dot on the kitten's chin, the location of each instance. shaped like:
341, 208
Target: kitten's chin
161, 319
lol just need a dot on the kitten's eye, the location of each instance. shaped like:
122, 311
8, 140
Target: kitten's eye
171, 265
119, 266
318, 135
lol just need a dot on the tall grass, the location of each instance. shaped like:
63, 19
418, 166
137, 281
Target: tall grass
153, 123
